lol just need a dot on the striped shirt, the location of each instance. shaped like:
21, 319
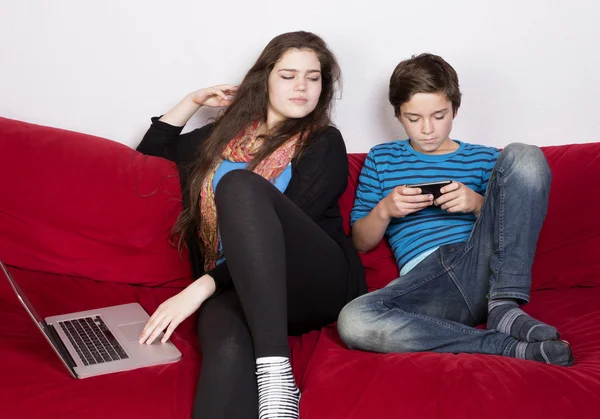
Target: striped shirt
396, 163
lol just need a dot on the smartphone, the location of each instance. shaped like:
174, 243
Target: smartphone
432, 188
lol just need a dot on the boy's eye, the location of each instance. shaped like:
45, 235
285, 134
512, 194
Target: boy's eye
439, 117
413, 120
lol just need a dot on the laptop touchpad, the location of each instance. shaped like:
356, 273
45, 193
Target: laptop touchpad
132, 331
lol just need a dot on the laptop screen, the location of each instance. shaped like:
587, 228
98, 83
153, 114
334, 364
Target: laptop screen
36, 317
19, 291
26, 303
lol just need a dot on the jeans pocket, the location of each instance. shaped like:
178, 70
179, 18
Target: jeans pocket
449, 252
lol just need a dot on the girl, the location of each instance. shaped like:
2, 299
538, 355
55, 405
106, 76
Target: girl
266, 242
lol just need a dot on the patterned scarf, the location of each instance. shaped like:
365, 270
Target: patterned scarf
239, 149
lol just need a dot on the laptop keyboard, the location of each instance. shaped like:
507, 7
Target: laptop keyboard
92, 340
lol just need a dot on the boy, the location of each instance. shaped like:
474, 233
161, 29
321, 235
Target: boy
464, 257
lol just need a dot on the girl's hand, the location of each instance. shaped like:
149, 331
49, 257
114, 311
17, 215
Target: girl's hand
176, 309
214, 97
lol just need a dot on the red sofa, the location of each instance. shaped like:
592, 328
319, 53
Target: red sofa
84, 223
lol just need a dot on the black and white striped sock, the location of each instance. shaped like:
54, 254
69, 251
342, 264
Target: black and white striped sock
278, 395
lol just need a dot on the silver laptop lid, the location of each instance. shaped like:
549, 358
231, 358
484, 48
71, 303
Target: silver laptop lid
48, 334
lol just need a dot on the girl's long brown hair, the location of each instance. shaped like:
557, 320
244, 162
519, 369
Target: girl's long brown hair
250, 104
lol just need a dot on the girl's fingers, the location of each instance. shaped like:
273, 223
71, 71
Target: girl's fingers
226, 87
219, 93
174, 323
159, 328
150, 326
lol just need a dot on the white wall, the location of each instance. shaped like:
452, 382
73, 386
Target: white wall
529, 70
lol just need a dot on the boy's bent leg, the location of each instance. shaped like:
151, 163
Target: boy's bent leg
421, 311
401, 318
520, 185
518, 200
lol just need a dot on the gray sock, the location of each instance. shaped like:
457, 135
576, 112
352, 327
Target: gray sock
505, 316
556, 352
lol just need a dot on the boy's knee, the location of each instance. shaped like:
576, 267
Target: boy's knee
529, 163
366, 329
352, 325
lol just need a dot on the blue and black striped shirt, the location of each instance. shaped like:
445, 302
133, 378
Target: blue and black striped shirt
396, 163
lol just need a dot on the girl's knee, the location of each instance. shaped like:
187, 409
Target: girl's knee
238, 185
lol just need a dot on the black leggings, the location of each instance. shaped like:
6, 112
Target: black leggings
286, 272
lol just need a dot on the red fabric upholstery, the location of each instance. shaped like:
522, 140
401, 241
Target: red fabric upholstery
78, 234
343, 384
380, 265
84, 206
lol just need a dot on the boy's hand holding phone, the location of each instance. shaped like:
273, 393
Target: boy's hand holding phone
431, 188
403, 201
456, 197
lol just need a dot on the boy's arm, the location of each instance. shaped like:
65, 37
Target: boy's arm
368, 197
369, 230
372, 212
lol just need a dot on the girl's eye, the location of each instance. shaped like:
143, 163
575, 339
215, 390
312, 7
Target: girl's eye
413, 120
313, 78
287, 77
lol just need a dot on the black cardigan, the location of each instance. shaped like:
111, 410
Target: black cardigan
319, 178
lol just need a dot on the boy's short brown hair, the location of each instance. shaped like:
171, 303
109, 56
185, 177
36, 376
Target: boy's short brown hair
424, 73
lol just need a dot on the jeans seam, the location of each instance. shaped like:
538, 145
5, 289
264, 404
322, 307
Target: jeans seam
450, 272
509, 294
457, 260
502, 195
508, 349
439, 322
415, 286
464, 297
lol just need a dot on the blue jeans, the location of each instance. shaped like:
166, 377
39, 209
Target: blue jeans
435, 306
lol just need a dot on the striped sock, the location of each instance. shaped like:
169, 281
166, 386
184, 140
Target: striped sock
278, 396
556, 352
505, 316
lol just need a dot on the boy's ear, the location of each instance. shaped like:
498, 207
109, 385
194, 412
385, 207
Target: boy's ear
455, 113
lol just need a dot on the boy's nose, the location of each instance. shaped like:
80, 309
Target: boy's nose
426, 128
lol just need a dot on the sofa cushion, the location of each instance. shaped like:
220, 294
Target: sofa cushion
343, 384
107, 232
85, 206
567, 252
35, 383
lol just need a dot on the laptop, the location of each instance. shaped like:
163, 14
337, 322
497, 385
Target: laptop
97, 342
